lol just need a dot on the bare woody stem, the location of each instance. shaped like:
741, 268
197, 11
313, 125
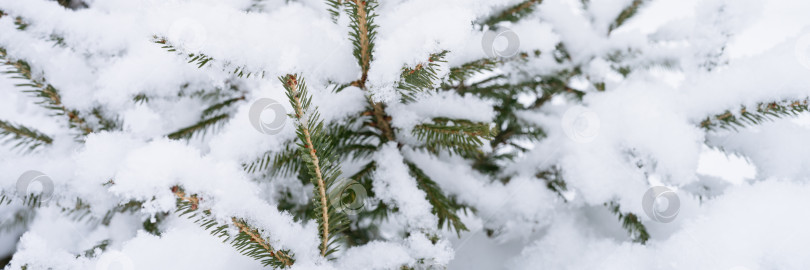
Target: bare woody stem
292, 83
383, 124
243, 227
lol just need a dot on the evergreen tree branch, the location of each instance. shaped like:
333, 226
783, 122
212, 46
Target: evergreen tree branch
467, 70
207, 121
513, 13
361, 13
421, 77
316, 149
201, 60
201, 127
284, 162
443, 207
456, 135
25, 137
49, 95
249, 241
763, 112
626, 14
334, 8
631, 223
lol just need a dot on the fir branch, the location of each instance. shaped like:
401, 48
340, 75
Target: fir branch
316, 150
284, 162
467, 70
626, 14
49, 95
421, 77
221, 105
763, 112
249, 241
91, 252
201, 127
105, 123
21, 219
631, 223
513, 13
456, 135
24, 136
201, 60
443, 207
363, 34
334, 9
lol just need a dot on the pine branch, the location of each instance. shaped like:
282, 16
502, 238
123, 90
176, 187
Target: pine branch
631, 223
24, 136
249, 241
443, 207
316, 150
50, 98
762, 112
456, 135
513, 13
626, 14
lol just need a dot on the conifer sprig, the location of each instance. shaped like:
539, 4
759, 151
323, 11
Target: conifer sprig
316, 150
207, 121
512, 13
631, 223
443, 207
363, 34
283, 162
420, 78
201, 60
249, 241
24, 136
50, 98
762, 112
626, 14
465, 71
201, 127
455, 135
334, 8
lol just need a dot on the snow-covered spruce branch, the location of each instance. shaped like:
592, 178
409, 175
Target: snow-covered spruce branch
48, 94
211, 118
317, 153
202, 60
363, 34
23, 136
421, 77
454, 135
626, 13
512, 13
761, 113
249, 241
